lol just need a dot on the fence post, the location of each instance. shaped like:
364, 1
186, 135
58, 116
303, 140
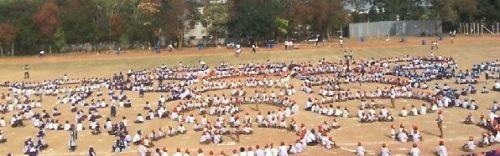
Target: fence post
474, 32
492, 29
466, 28
478, 26
498, 28
473, 28
481, 28
461, 28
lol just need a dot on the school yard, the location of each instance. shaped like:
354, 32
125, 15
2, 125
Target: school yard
466, 51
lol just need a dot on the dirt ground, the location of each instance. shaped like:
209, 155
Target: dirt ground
466, 51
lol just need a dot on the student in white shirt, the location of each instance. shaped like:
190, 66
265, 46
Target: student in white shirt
178, 152
2, 137
283, 150
2, 122
142, 150
164, 152
404, 112
385, 151
403, 137
139, 118
250, 151
414, 151
137, 137
200, 152
360, 151
274, 150
470, 146
258, 151
442, 151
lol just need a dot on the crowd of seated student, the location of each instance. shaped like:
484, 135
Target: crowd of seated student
470, 89
414, 111
491, 69
489, 138
403, 135
371, 116
78, 92
467, 77
490, 123
268, 149
316, 107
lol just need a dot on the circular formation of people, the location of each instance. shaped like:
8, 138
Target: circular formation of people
209, 100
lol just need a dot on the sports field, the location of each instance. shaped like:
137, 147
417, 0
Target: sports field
465, 51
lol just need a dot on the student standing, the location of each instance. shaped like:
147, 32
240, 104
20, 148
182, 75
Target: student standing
439, 121
26, 72
73, 136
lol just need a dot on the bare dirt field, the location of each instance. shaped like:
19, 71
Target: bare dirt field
466, 52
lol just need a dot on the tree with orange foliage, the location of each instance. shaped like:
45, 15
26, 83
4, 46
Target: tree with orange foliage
47, 19
7, 36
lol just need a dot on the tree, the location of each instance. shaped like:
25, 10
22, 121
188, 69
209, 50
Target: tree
254, 18
7, 36
326, 15
180, 14
216, 16
84, 22
489, 10
454, 10
47, 20
282, 26
117, 26
298, 14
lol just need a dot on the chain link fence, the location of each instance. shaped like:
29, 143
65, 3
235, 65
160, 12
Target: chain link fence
394, 28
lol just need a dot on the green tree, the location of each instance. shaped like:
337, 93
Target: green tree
216, 17
254, 18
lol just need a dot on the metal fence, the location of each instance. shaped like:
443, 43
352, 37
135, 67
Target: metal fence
394, 28
479, 28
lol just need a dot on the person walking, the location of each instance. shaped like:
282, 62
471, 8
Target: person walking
73, 136
440, 121
26, 71
113, 110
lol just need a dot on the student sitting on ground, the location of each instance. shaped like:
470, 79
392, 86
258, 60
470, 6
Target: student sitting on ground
485, 90
393, 132
496, 87
55, 112
2, 122
139, 119
484, 141
403, 137
494, 108
2, 137
16, 121
136, 140
470, 146
404, 112
181, 129
469, 119
247, 129
96, 128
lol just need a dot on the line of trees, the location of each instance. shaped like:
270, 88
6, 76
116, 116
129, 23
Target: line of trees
28, 26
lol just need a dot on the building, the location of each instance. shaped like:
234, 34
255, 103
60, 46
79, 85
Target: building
197, 32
